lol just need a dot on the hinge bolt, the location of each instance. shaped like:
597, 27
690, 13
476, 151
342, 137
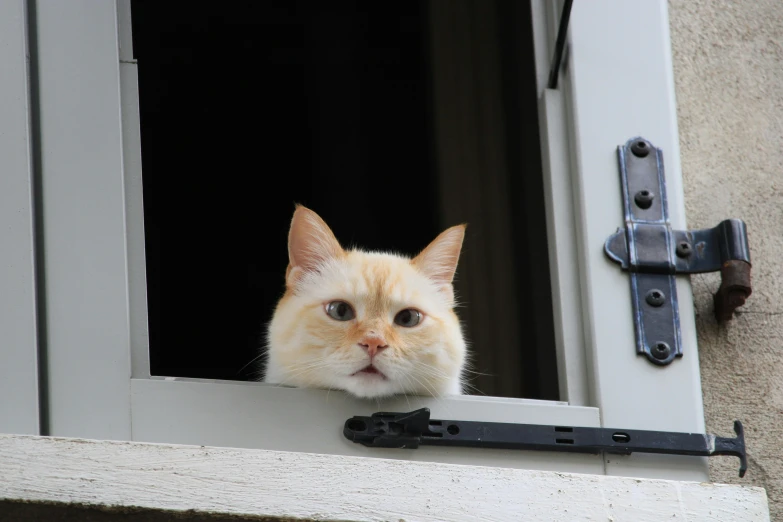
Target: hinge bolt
644, 199
655, 298
640, 149
661, 351
683, 249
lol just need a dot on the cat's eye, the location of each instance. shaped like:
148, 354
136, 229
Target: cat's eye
340, 311
408, 318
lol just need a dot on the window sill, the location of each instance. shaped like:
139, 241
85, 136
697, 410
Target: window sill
270, 417
226, 481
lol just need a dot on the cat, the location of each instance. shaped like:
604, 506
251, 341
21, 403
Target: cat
368, 323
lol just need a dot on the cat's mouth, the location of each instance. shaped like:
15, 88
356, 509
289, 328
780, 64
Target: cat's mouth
371, 371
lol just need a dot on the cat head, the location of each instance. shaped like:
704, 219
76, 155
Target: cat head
372, 324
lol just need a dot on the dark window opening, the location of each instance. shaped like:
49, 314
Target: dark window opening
391, 120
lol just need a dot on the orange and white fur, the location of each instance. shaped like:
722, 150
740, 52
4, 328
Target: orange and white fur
372, 324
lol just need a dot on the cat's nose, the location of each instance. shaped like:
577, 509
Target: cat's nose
373, 345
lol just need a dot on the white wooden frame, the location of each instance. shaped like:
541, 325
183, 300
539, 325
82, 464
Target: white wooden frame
207, 480
19, 399
83, 226
611, 96
596, 108
98, 382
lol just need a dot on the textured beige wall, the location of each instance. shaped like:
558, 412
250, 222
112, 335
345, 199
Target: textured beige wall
728, 65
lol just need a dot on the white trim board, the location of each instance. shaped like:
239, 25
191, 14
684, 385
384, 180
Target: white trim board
264, 416
608, 98
83, 219
18, 323
330, 487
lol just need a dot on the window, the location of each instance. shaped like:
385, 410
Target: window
91, 298
392, 122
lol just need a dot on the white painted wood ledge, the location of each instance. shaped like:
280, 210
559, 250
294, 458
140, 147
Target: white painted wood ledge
332, 487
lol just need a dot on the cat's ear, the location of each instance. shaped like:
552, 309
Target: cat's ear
439, 260
311, 243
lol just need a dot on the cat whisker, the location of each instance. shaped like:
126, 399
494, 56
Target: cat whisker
438, 398
254, 359
404, 393
436, 372
472, 388
478, 374
254, 373
424, 385
296, 371
303, 369
469, 367
406, 384
432, 371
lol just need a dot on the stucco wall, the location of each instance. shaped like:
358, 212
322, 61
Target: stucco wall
728, 65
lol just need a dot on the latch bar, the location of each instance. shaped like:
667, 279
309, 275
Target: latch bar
412, 429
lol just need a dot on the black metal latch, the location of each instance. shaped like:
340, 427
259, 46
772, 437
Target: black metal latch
653, 253
410, 430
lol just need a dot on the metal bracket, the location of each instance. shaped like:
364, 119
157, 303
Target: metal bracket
562, 32
412, 429
653, 253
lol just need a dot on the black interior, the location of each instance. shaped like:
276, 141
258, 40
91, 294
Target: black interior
248, 107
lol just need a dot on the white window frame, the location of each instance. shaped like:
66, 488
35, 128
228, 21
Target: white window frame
19, 400
87, 170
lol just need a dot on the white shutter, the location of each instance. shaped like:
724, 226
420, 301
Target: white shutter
619, 84
18, 328
83, 206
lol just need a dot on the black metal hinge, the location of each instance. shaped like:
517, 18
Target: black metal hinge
413, 429
654, 253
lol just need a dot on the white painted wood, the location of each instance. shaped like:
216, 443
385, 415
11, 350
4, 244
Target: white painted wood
92, 267
18, 325
83, 200
564, 267
134, 204
263, 416
619, 84
563, 254
124, 30
330, 487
